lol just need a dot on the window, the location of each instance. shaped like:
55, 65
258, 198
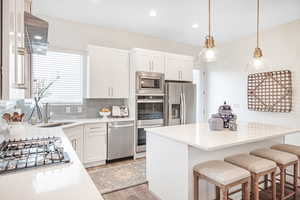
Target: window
62, 68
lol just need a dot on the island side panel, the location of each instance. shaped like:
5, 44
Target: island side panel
167, 168
196, 156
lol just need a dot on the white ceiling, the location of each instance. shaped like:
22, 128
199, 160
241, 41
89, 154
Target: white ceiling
232, 19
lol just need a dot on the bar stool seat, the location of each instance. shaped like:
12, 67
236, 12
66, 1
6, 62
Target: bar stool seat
221, 172
279, 157
293, 149
283, 161
251, 163
224, 176
258, 167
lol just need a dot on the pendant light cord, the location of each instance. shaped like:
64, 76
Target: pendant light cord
257, 24
209, 18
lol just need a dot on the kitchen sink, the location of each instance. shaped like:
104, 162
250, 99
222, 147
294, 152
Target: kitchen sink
55, 124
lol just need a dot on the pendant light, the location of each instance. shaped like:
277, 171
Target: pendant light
208, 53
258, 63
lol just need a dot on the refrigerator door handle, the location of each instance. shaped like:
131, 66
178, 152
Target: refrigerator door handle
181, 109
184, 109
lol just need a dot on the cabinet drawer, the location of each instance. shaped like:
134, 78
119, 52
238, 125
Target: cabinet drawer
96, 127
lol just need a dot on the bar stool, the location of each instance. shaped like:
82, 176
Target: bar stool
283, 161
258, 167
293, 149
223, 175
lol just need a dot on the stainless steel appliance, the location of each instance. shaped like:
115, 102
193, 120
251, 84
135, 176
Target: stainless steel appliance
180, 103
120, 111
150, 113
36, 34
149, 83
120, 140
19, 154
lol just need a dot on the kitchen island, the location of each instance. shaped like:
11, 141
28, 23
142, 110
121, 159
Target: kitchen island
59, 182
173, 151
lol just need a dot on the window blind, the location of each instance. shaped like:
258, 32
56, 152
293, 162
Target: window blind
67, 66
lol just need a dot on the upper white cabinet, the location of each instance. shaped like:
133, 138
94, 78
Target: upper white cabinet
148, 61
107, 73
14, 71
179, 67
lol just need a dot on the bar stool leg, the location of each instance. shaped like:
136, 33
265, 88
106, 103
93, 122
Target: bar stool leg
196, 187
224, 193
282, 183
217, 193
296, 172
266, 181
255, 191
273, 175
245, 188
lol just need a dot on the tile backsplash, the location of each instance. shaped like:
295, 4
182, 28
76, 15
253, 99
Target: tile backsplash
88, 109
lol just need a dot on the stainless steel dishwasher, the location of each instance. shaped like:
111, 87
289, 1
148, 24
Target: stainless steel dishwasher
120, 140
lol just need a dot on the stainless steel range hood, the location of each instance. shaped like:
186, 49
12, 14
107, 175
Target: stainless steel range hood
36, 34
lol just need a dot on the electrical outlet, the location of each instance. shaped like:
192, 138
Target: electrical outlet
68, 109
79, 109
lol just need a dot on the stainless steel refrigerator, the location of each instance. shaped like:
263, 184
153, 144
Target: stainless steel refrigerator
180, 103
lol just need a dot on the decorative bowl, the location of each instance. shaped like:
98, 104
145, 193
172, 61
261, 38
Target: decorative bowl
104, 114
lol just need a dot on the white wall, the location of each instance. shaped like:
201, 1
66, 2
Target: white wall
227, 79
76, 36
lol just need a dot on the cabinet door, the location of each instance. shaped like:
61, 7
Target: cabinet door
143, 61
120, 68
108, 73
95, 137
179, 68
99, 73
158, 64
173, 68
187, 70
75, 135
20, 47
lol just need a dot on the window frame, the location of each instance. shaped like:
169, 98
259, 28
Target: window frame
83, 54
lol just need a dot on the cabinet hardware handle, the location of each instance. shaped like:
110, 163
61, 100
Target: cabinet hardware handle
112, 92
21, 51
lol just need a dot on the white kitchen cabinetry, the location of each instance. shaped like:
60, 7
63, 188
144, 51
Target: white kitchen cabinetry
95, 144
14, 71
75, 135
107, 73
148, 61
179, 67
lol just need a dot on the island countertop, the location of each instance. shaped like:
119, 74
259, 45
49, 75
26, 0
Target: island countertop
199, 136
59, 182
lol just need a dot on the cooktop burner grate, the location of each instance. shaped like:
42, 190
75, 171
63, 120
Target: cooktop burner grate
28, 153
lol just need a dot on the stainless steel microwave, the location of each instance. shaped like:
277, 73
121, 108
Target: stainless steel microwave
150, 83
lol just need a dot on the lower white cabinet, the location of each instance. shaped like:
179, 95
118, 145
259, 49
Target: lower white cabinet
95, 145
75, 135
89, 142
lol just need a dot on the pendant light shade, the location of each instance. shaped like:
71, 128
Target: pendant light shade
209, 52
258, 63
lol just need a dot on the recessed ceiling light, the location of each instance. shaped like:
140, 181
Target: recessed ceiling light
38, 37
195, 26
153, 13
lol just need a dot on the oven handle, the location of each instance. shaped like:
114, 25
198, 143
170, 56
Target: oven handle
150, 101
151, 126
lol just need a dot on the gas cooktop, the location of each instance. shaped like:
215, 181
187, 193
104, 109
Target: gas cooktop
26, 153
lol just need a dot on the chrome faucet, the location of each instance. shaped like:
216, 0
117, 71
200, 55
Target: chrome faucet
46, 114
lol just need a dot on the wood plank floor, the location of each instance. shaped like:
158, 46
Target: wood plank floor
140, 192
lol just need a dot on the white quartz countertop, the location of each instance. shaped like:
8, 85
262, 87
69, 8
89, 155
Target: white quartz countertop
79, 122
56, 182
199, 136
